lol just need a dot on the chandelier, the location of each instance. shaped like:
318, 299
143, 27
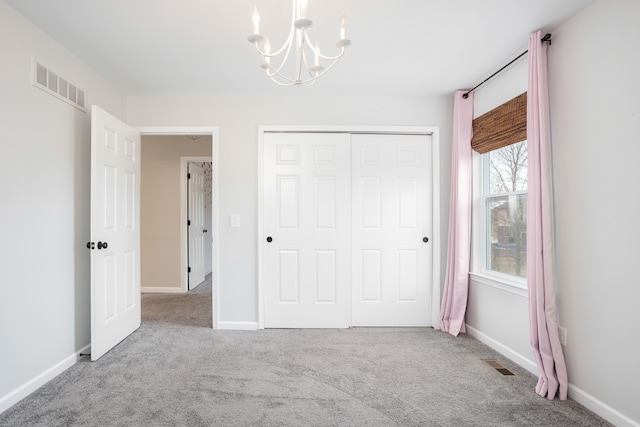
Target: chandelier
309, 60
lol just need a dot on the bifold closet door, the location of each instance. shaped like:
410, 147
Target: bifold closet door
392, 224
307, 226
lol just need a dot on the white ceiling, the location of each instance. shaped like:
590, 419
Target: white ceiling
200, 47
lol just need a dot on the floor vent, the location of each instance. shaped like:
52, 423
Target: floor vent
45, 79
498, 367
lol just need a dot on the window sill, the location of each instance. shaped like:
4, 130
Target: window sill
502, 283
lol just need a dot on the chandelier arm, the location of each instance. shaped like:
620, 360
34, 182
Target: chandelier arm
299, 54
320, 74
273, 73
307, 68
328, 58
333, 58
287, 44
276, 73
280, 83
304, 62
276, 70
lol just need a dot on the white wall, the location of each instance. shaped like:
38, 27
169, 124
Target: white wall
44, 217
160, 198
593, 77
238, 119
594, 64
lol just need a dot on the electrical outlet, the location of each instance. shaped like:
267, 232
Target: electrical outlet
562, 332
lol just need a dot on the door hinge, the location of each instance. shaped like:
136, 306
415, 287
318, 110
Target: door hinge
188, 222
189, 270
188, 176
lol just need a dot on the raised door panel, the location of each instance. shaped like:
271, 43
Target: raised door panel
392, 195
307, 215
115, 232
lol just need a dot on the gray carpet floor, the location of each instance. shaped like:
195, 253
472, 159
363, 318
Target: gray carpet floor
177, 371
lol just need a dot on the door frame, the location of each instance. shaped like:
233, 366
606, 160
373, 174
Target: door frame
434, 131
212, 131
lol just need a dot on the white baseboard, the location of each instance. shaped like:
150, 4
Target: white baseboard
583, 398
238, 326
35, 383
528, 364
601, 408
161, 290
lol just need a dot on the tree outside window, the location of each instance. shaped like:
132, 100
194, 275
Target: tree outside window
506, 209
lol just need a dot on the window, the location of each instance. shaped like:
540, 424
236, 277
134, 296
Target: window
504, 201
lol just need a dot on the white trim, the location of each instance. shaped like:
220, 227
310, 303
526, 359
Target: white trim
575, 393
599, 407
498, 283
239, 326
214, 132
215, 225
507, 352
178, 130
261, 132
436, 281
479, 271
13, 397
395, 130
161, 290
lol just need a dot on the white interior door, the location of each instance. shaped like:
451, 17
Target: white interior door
307, 223
391, 195
196, 225
115, 231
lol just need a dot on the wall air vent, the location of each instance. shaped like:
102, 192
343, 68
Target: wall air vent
45, 79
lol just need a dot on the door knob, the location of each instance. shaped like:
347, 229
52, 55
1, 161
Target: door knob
204, 231
269, 239
91, 245
425, 239
102, 245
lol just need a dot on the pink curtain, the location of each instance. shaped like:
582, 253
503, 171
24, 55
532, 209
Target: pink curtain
456, 282
543, 317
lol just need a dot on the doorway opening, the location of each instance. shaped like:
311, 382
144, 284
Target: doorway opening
166, 253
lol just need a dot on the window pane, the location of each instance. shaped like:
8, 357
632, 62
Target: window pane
507, 234
508, 169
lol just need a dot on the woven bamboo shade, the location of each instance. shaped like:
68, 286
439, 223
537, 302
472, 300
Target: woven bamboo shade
502, 126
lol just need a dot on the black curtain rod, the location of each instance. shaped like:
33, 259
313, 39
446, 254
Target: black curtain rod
545, 39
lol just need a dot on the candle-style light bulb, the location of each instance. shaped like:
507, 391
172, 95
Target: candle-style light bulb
267, 50
343, 29
255, 17
316, 55
303, 9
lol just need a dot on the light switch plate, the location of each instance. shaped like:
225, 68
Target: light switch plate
234, 221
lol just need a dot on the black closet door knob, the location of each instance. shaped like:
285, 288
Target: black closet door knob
102, 245
269, 239
425, 239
